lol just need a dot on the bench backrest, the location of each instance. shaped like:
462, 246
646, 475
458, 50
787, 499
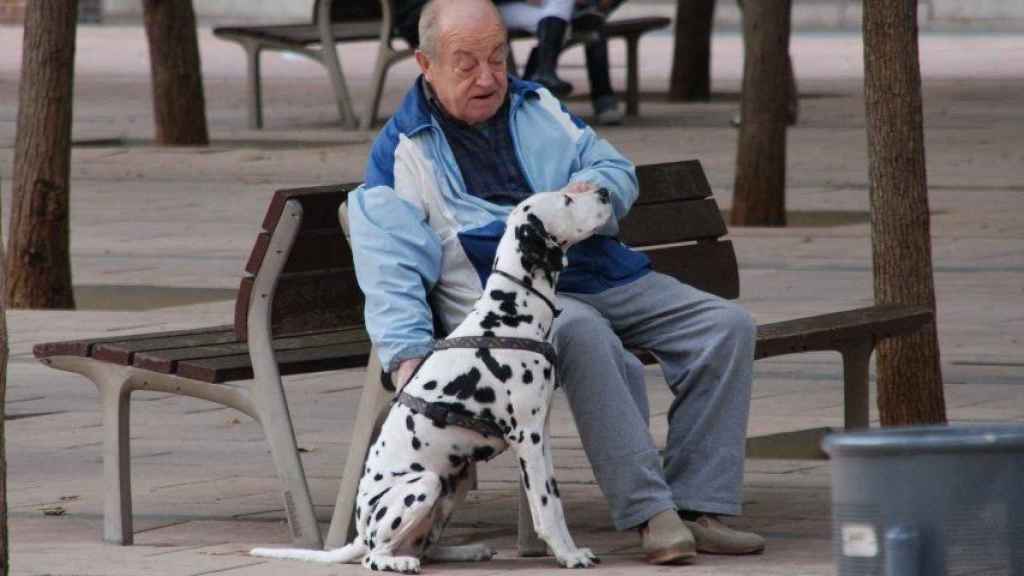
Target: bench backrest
675, 221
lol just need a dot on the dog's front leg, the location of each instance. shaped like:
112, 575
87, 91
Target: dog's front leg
545, 503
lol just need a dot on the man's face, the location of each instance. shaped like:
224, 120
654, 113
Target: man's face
469, 73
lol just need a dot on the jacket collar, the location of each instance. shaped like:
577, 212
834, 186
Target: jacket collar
414, 114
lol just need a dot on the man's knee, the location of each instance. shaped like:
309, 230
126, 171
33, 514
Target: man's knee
734, 324
581, 330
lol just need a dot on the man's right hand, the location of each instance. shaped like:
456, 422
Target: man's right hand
405, 370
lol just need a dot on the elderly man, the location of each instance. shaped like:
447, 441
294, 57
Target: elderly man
468, 143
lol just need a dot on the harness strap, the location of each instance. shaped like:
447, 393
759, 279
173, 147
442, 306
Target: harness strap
542, 347
554, 310
443, 416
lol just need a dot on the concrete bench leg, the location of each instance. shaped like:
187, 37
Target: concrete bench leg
632, 75
372, 405
856, 397
252, 56
114, 384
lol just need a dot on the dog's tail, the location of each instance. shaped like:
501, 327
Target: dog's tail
346, 554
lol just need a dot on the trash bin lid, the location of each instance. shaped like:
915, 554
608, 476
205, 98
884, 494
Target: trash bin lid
927, 439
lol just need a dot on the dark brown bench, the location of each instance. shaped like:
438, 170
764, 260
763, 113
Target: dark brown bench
372, 20
299, 310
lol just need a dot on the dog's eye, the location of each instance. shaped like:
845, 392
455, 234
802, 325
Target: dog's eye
568, 200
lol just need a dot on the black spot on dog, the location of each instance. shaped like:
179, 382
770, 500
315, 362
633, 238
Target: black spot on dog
486, 414
409, 499
506, 301
397, 474
373, 565
514, 423
509, 408
554, 488
463, 386
380, 513
421, 497
568, 200
358, 512
415, 443
378, 477
376, 499
526, 475
547, 373
543, 500
481, 453
396, 523
537, 249
455, 459
410, 424
414, 480
527, 377
430, 385
500, 371
535, 438
416, 467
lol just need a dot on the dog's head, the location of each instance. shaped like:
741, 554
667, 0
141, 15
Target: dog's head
545, 225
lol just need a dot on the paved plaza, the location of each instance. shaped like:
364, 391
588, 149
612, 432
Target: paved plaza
160, 236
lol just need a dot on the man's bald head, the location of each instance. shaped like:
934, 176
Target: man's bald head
439, 17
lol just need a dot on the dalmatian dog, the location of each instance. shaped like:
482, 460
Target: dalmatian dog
416, 471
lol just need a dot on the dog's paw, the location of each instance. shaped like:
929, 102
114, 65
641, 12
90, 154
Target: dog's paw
580, 558
402, 564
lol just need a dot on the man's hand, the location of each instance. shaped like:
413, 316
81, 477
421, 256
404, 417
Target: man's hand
576, 188
404, 372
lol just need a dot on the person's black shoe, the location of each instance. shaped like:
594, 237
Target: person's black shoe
550, 36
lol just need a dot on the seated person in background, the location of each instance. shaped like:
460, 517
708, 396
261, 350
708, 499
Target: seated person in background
548, 20
467, 144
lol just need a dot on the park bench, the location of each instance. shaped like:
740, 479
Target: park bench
345, 21
299, 310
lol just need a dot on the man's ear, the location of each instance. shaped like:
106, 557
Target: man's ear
424, 61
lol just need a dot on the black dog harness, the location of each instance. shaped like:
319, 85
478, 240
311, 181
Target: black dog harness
441, 414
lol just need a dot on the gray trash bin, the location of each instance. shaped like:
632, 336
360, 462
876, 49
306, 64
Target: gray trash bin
928, 501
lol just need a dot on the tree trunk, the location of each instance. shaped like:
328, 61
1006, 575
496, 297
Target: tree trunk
691, 59
179, 107
5, 552
759, 197
909, 374
38, 269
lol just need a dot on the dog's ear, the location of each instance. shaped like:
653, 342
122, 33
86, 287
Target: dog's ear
538, 249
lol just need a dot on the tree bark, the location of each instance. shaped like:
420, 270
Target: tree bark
909, 373
691, 60
179, 107
38, 270
759, 197
5, 348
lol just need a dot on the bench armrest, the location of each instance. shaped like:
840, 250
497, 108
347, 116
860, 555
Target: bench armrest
839, 330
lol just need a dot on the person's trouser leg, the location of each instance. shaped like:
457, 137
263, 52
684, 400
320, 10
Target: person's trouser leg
524, 16
706, 348
605, 387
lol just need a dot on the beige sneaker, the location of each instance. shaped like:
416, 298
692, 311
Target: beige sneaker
714, 537
666, 540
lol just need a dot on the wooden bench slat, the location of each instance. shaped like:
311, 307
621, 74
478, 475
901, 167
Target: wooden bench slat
671, 181
123, 352
668, 223
84, 347
825, 331
301, 35
305, 302
166, 361
707, 266
313, 250
319, 205
239, 367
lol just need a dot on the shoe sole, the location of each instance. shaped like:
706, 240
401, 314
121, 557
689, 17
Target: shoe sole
679, 554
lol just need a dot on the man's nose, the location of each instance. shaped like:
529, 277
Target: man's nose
485, 78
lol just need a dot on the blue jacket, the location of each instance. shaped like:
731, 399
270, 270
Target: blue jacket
422, 244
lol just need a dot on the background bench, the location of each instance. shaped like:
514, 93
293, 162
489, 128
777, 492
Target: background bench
342, 21
299, 310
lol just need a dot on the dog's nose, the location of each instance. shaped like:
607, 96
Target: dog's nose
602, 193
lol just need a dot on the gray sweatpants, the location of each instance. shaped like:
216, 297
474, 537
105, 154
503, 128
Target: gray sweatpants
705, 346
